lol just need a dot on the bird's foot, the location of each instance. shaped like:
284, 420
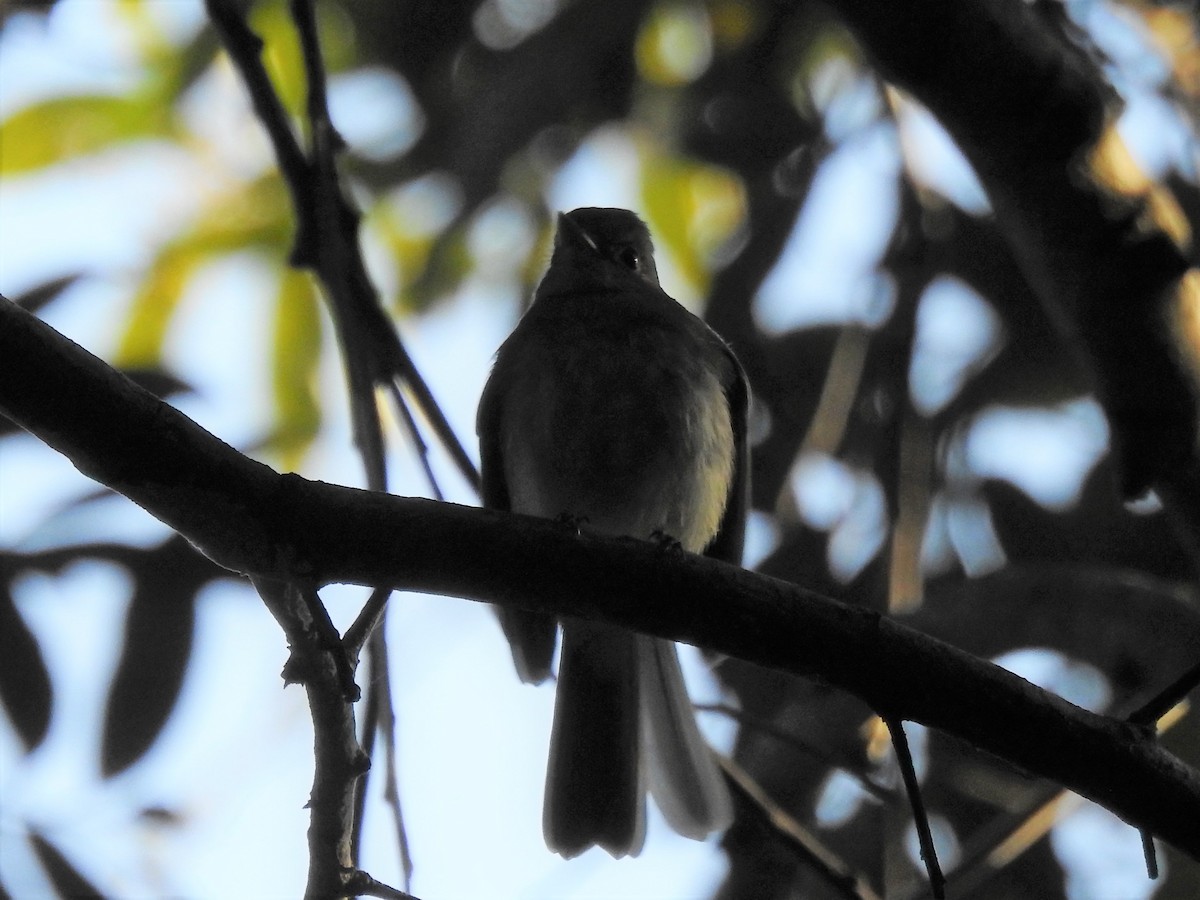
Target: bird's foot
572, 521
665, 541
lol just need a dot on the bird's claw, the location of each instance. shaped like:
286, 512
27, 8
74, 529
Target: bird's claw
665, 541
572, 521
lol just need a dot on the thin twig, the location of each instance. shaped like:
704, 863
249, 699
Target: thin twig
1149, 854
360, 884
1147, 716
414, 435
365, 623
1166, 699
387, 726
326, 236
937, 881
370, 729
407, 371
832, 868
245, 48
379, 717
754, 723
390, 361
325, 140
1007, 835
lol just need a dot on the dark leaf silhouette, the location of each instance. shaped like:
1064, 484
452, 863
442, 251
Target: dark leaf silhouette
158, 643
70, 883
24, 682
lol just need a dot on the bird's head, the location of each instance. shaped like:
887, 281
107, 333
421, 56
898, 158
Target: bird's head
604, 242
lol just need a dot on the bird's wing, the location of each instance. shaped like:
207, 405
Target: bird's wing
731, 533
531, 636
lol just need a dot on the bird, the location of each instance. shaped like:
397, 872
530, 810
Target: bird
614, 409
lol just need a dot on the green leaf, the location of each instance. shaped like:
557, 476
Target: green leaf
295, 361
281, 55
67, 127
154, 304
693, 208
247, 217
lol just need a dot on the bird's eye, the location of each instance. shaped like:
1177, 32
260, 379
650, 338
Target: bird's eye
629, 258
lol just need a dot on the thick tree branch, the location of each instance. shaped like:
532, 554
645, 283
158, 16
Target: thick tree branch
252, 520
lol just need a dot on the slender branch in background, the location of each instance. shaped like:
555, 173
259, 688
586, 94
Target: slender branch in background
355, 638
335, 258
754, 723
912, 786
326, 142
244, 48
386, 720
370, 714
327, 241
1167, 699
414, 435
827, 864
380, 716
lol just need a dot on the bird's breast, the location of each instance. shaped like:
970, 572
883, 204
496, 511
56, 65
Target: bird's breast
629, 430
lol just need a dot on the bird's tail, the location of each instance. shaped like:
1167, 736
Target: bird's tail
684, 778
594, 792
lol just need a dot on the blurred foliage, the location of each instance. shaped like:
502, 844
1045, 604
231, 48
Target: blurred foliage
66, 879
61, 129
735, 110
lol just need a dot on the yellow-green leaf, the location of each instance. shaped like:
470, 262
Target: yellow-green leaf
66, 127
693, 208
250, 216
295, 361
282, 54
153, 305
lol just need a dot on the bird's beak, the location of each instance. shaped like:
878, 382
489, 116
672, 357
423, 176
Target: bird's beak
571, 235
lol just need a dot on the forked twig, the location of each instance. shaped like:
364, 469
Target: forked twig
327, 243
